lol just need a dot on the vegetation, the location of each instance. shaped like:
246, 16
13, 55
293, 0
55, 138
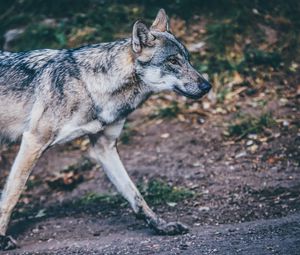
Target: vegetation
155, 192
160, 192
127, 133
246, 125
168, 112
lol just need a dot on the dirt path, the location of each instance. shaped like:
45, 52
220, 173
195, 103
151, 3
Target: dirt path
279, 236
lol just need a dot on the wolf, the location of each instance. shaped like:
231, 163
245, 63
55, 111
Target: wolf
50, 97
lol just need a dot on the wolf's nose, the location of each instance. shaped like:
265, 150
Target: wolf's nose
205, 86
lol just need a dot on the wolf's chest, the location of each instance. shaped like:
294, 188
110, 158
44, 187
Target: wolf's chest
114, 112
120, 107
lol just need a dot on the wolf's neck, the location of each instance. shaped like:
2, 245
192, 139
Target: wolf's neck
111, 80
107, 66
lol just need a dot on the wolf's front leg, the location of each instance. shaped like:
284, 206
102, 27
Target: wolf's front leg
30, 150
105, 152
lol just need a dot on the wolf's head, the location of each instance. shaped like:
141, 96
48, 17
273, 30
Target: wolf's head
162, 62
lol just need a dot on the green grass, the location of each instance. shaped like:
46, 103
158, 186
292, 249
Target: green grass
160, 192
127, 133
95, 198
251, 125
259, 57
155, 192
168, 112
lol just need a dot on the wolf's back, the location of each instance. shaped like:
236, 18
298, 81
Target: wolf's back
17, 72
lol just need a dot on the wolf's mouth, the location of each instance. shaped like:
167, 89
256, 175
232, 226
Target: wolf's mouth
192, 96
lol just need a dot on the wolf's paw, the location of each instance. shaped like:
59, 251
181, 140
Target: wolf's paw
7, 243
171, 228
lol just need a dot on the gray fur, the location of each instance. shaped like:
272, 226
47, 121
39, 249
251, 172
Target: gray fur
54, 96
59, 80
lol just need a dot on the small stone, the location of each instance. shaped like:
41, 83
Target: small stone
249, 142
165, 135
206, 105
285, 123
252, 136
241, 154
253, 148
201, 120
203, 208
283, 101
196, 164
35, 230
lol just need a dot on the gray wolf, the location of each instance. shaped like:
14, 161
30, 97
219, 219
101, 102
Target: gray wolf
49, 97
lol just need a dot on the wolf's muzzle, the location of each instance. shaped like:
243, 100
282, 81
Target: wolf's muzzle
205, 86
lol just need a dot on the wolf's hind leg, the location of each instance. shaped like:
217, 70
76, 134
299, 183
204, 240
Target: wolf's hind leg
30, 150
105, 152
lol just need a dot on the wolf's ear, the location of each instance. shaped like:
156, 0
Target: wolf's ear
141, 36
161, 23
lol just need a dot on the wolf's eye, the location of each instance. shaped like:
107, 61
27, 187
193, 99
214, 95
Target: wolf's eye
174, 61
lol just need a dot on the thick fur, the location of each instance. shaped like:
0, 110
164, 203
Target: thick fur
54, 96
69, 88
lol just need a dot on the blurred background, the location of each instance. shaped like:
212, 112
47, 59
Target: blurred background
232, 157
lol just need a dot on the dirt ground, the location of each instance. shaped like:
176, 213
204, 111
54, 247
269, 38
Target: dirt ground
277, 236
246, 199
